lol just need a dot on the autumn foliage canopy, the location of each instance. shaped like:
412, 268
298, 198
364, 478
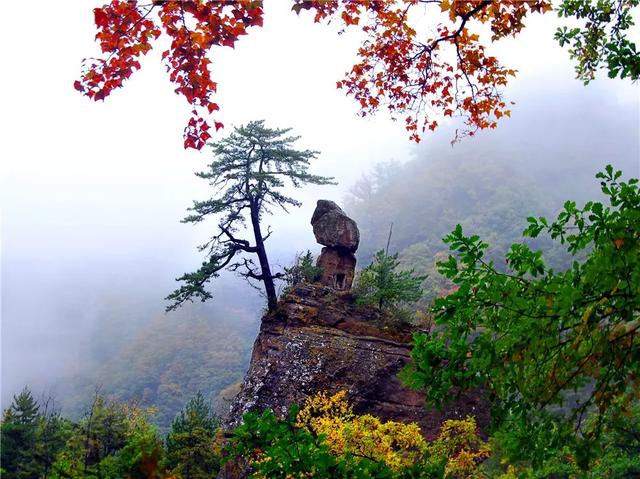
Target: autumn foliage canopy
127, 30
418, 77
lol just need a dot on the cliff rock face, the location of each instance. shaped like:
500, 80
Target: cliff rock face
320, 340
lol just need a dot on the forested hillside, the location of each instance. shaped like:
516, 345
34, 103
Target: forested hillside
490, 185
200, 347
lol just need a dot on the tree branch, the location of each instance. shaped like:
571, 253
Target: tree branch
241, 244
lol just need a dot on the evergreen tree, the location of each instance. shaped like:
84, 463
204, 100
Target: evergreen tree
380, 283
23, 410
247, 174
19, 435
52, 435
190, 443
32, 436
114, 440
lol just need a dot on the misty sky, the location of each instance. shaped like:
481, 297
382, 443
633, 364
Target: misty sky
92, 193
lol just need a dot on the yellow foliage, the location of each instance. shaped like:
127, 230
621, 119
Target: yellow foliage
397, 444
321, 407
463, 449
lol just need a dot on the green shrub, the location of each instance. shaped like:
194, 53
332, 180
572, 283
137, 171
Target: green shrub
304, 270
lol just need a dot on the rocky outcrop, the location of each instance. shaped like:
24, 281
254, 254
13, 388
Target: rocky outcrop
340, 236
318, 339
333, 228
337, 269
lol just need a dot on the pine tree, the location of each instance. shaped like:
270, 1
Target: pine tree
380, 283
19, 435
24, 409
247, 174
190, 443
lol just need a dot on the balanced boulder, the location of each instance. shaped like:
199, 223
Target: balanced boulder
333, 228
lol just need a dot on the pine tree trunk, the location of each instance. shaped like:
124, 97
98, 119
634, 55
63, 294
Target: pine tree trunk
267, 278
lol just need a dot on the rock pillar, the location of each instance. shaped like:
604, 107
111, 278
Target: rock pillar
340, 237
